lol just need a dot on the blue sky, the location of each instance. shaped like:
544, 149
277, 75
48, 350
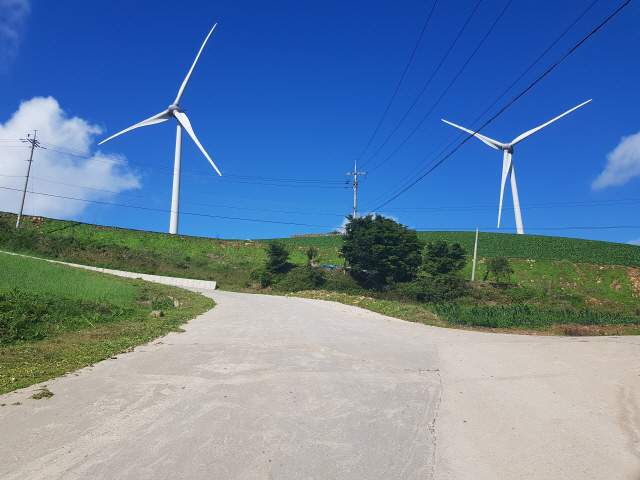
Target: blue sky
287, 94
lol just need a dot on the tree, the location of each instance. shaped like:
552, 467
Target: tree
380, 250
499, 266
441, 258
277, 256
311, 252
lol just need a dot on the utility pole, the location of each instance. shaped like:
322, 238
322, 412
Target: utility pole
34, 144
355, 174
475, 254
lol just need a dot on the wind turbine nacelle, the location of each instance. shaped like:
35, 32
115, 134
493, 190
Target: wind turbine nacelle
174, 108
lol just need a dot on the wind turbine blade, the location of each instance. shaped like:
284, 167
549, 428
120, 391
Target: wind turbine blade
531, 132
487, 140
184, 121
186, 80
159, 118
506, 165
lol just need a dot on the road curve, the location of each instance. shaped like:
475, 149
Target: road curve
285, 388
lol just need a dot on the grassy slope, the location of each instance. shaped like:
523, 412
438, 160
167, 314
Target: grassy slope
566, 274
55, 319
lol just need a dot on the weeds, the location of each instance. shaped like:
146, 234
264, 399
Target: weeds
43, 393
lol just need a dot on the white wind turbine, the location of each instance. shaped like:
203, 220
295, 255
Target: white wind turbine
175, 111
507, 162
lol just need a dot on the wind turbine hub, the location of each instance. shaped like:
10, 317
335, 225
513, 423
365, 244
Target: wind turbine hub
508, 148
174, 108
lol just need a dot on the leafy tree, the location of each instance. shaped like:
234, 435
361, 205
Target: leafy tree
311, 252
277, 256
441, 258
381, 250
498, 266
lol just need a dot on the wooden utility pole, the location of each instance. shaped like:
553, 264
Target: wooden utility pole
475, 254
34, 144
355, 174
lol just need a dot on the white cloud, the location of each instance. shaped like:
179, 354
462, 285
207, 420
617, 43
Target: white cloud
51, 170
622, 164
634, 242
13, 14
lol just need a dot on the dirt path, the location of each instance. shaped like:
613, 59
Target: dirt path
290, 388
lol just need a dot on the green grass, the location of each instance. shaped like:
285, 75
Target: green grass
48, 278
527, 316
551, 273
539, 247
43, 393
55, 319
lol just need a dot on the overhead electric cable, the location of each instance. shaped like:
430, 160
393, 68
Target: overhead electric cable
190, 203
401, 78
511, 102
441, 96
426, 85
267, 181
167, 211
397, 185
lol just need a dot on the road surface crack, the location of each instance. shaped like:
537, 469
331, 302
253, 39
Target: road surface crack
432, 425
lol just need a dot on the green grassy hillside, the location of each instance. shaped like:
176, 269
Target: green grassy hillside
533, 247
55, 318
551, 274
228, 262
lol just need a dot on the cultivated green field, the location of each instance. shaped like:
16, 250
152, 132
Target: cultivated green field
55, 319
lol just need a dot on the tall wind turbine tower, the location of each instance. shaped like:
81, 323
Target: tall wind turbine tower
176, 112
507, 163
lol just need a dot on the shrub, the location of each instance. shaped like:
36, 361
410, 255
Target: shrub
498, 266
434, 289
300, 278
380, 250
277, 256
337, 281
262, 275
441, 258
311, 253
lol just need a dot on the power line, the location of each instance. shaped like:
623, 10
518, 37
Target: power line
401, 78
443, 93
435, 229
168, 211
591, 203
303, 183
427, 84
511, 102
189, 203
459, 135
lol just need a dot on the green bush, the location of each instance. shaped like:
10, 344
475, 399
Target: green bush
300, 278
434, 289
380, 250
498, 266
338, 281
311, 253
441, 258
277, 256
262, 275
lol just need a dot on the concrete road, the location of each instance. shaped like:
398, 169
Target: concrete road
285, 388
